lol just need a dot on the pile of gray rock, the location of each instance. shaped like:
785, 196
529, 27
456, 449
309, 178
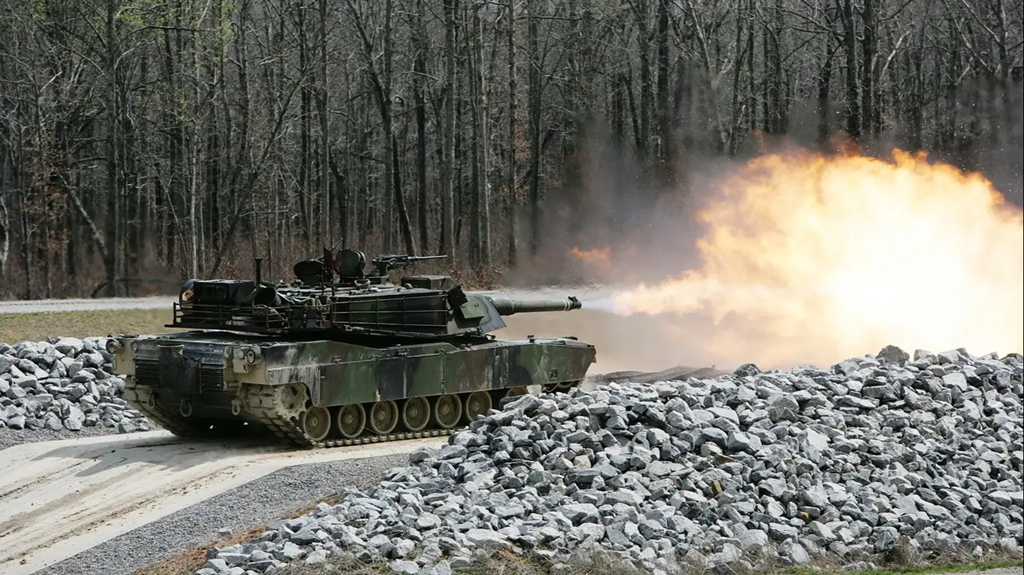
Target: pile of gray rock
878, 455
64, 384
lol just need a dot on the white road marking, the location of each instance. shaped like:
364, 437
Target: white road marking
59, 498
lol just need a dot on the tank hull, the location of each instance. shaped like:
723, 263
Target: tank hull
325, 392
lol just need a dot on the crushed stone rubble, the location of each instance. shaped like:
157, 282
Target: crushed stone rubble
877, 455
63, 384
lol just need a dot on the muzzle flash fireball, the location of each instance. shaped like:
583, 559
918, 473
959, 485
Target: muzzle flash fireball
808, 258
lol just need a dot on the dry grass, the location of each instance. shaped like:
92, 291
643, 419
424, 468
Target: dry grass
17, 327
500, 563
192, 560
597, 563
945, 566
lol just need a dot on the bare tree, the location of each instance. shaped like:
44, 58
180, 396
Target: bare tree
448, 175
145, 142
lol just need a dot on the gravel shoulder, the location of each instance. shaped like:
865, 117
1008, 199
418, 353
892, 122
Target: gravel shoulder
12, 437
258, 502
61, 498
878, 460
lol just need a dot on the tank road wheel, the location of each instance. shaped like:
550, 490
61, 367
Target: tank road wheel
477, 405
351, 420
316, 423
503, 396
384, 417
447, 411
562, 387
416, 413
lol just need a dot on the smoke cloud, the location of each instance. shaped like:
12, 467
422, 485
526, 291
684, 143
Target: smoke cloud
808, 258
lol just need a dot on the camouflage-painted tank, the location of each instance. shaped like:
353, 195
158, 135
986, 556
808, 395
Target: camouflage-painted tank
328, 360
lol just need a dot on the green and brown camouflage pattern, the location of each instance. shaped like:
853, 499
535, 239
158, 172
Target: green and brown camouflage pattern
198, 381
338, 373
340, 355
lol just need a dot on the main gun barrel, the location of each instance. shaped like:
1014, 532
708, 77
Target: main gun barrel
509, 306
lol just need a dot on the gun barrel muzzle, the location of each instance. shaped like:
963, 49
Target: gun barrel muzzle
509, 306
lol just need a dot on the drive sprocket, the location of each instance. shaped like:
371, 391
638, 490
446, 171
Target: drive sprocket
288, 401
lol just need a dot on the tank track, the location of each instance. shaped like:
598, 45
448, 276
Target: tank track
261, 402
140, 400
269, 418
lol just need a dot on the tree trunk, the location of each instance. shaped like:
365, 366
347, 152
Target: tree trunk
824, 83
664, 120
778, 75
403, 213
737, 103
533, 8
511, 182
484, 146
644, 40
419, 77
869, 45
390, 192
473, 64
326, 230
448, 172
113, 218
852, 88
305, 137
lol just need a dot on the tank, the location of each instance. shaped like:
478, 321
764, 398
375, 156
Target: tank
340, 356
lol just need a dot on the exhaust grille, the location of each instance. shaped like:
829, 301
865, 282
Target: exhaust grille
211, 377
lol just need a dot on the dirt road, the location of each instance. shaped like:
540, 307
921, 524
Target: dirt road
58, 498
58, 305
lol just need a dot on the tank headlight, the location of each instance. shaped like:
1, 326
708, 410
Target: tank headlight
135, 345
112, 345
250, 356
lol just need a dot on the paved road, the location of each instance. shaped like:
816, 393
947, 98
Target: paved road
56, 305
59, 498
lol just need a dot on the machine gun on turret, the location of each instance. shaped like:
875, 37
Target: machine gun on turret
350, 266
386, 263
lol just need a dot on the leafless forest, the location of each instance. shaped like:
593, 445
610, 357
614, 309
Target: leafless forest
145, 141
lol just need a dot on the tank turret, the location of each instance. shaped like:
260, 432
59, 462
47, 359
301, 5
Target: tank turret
334, 295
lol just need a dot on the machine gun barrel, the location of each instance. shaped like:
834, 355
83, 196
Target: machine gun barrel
389, 262
404, 258
509, 306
